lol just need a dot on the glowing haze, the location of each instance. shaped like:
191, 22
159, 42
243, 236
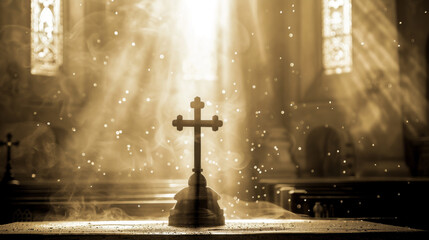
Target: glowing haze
145, 63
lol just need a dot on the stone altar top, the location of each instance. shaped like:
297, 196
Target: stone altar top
233, 229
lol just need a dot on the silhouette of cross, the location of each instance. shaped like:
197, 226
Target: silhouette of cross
197, 123
8, 176
9, 145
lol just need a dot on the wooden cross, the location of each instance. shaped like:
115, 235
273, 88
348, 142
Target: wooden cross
8, 177
197, 123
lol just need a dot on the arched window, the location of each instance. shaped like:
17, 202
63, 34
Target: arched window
337, 39
46, 37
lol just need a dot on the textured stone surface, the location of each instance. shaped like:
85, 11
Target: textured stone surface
234, 229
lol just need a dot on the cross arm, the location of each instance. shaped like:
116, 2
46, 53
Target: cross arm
178, 122
9, 141
215, 123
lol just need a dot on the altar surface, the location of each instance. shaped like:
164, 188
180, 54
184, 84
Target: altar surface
234, 229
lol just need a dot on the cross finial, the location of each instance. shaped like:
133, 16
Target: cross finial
197, 103
197, 123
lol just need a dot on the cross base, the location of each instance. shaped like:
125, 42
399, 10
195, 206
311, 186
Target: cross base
196, 205
9, 181
8, 178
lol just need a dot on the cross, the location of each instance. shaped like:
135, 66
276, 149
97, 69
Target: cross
8, 174
9, 145
197, 123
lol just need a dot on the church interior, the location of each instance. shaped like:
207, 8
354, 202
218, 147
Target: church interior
321, 114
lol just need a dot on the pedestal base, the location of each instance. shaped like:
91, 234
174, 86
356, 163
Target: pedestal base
202, 218
196, 205
9, 180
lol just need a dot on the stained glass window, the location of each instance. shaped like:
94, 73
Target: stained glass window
46, 37
337, 39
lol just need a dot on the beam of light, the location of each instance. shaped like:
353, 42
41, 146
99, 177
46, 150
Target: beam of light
200, 29
143, 62
379, 97
376, 74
